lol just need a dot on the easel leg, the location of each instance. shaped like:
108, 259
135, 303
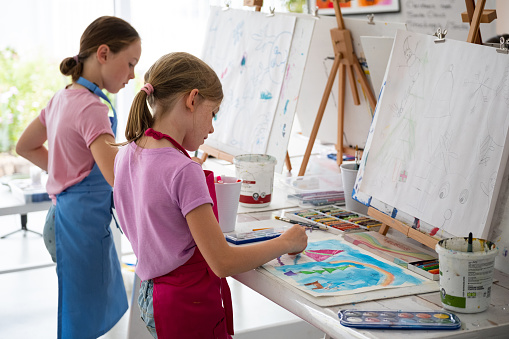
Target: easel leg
341, 113
474, 15
353, 86
365, 86
384, 229
288, 162
319, 115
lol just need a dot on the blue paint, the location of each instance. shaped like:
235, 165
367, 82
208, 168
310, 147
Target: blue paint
286, 106
265, 95
243, 61
347, 270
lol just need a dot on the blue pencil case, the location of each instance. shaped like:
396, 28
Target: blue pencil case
399, 320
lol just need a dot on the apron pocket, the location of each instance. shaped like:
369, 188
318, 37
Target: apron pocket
220, 331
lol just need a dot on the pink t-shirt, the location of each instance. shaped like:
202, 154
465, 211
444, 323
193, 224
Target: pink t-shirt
74, 118
154, 190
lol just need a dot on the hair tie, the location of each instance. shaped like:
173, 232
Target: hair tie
148, 88
76, 58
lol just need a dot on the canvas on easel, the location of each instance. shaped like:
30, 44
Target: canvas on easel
319, 106
260, 61
439, 141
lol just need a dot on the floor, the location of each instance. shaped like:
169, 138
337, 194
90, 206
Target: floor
28, 308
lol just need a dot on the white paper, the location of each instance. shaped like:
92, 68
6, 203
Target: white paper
357, 118
377, 50
249, 52
438, 148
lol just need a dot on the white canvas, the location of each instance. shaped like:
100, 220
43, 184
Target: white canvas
437, 146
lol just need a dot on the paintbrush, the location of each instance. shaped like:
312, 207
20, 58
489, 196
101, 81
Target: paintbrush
469, 247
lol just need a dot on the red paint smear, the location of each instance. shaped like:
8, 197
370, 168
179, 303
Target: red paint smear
434, 231
224, 72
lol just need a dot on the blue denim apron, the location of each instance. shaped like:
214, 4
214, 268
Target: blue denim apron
91, 293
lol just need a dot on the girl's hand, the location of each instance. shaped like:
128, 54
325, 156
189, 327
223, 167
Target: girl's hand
296, 239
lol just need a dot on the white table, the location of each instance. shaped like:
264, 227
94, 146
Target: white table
492, 323
11, 205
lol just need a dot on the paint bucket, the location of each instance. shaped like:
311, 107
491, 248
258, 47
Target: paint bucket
257, 174
466, 277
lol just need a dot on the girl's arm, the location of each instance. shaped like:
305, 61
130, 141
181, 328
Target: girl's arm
226, 260
31, 144
104, 155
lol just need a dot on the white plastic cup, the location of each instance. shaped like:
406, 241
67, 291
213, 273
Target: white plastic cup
466, 277
348, 176
257, 174
35, 175
227, 195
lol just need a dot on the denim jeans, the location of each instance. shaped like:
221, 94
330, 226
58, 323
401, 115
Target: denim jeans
145, 302
48, 233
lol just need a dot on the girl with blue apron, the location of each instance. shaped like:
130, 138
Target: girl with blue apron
91, 293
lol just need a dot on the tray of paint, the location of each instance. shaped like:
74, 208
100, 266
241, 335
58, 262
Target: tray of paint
337, 219
420, 320
320, 198
426, 268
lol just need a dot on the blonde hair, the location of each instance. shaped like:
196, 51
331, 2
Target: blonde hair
172, 76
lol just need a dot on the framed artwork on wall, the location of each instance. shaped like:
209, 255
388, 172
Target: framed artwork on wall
358, 6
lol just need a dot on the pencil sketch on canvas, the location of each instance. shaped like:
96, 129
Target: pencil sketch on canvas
437, 146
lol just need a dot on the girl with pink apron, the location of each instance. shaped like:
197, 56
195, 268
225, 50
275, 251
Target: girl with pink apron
188, 302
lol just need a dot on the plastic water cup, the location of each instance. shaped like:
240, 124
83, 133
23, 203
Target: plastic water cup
348, 176
227, 195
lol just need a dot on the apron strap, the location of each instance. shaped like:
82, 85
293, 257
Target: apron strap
227, 304
97, 91
158, 136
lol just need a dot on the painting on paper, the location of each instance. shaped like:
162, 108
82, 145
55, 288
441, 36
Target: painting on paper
249, 52
333, 267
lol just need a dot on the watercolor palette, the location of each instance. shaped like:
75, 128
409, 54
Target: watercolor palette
399, 320
337, 219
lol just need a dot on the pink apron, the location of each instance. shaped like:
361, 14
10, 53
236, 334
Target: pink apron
188, 302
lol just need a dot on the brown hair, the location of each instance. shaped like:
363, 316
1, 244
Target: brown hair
172, 76
106, 30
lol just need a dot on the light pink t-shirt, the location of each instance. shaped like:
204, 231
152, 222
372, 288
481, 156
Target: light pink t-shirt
154, 190
74, 118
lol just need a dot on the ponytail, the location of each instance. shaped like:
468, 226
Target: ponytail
140, 118
72, 66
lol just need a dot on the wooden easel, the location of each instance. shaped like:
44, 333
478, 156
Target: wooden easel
346, 62
209, 150
475, 15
